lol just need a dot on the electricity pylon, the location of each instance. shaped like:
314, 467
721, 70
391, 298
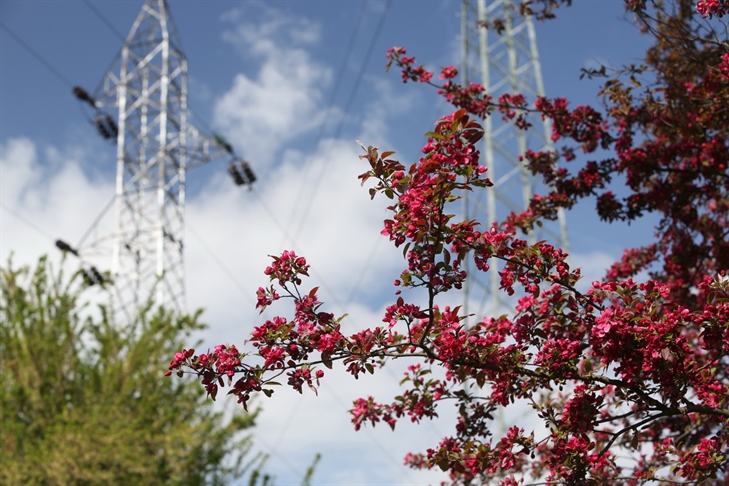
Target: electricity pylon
506, 62
155, 147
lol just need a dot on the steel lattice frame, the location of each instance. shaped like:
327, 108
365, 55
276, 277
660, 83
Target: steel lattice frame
503, 63
155, 147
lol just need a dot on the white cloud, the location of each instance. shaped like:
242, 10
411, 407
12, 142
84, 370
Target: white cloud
18, 159
593, 266
335, 226
296, 427
283, 101
45, 198
375, 130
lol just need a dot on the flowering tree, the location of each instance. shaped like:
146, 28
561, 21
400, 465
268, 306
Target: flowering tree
629, 379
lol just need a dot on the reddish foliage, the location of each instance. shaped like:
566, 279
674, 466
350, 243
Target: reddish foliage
624, 370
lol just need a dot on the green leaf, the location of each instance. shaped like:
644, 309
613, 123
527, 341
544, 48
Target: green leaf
434, 135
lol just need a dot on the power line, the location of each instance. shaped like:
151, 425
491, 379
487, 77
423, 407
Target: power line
96, 221
27, 221
221, 264
105, 20
38, 57
337, 132
90, 272
330, 103
348, 105
287, 236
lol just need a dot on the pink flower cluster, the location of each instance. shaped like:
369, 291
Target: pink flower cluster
710, 8
265, 297
299, 376
287, 268
211, 366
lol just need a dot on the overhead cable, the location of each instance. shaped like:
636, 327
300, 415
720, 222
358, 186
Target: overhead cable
317, 180
337, 83
35, 54
105, 20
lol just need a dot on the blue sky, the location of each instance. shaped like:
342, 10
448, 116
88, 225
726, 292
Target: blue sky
272, 76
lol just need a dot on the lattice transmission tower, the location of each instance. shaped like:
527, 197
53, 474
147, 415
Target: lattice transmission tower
155, 147
506, 62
